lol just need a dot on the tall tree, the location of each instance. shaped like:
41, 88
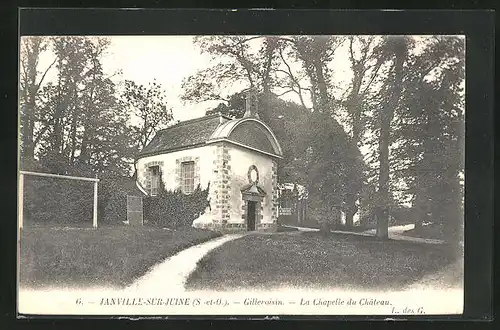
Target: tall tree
82, 128
270, 69
395, 50
336, 157
149, 106
31, 80
365, 66
429, 131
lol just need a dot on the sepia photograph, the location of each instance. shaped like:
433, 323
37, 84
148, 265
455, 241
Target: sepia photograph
241, 175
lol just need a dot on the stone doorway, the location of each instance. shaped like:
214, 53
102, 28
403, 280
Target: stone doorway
252, 197
251, 215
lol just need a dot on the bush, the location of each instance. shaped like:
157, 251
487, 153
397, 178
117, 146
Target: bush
113, 198
174, 209
325, 215
49, 201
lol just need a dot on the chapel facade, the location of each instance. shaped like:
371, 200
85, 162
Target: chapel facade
236, 158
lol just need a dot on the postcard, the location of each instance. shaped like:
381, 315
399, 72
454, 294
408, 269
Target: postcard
241, 175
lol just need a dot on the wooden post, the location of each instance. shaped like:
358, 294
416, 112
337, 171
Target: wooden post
94, 220
20, 201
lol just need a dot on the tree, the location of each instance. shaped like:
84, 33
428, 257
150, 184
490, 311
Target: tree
149, 106
270, 69
334, 156
430, 133
239, 59
394, 50
233, 108
81, 127
31, 81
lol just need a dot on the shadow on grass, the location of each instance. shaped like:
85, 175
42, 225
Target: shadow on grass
317, 260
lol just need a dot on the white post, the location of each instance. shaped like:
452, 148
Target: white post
20, 201
94, 220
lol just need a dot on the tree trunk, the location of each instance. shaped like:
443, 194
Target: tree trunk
399, 51
28, 94
323, 92
383, 191
349, 219
351, 210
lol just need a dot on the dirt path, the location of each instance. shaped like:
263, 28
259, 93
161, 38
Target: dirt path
171, 275
395, 233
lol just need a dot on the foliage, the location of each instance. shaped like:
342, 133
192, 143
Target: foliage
113, 193
235, 107
174, 209
31, 80
75, 123
430, 131
49, 201
237, 61
149, 105
330, 169
59, 202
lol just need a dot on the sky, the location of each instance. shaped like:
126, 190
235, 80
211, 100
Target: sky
168, 59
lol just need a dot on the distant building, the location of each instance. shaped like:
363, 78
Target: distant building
237, 157
292, 204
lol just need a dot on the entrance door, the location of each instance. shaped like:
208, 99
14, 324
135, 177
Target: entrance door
251, 215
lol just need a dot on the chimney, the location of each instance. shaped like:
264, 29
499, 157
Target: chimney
222, 119
251, 104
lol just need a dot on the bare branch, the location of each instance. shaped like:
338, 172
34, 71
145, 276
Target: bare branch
374, 74
286, 92
45, 73
292, 77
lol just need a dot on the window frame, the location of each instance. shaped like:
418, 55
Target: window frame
154, 179
187, 177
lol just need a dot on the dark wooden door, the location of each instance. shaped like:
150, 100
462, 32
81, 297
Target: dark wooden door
251, 216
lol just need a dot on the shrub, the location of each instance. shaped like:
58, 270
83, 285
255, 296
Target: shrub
49, 201
174, 209
113, 198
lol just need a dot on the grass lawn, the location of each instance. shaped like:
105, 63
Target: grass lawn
429, 231
112, 257
316, 260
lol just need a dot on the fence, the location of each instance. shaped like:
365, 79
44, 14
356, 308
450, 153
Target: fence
50, 175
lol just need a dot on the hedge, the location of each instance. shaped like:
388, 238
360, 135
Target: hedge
174, 209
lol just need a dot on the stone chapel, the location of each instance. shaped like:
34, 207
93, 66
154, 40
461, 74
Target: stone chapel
236, 158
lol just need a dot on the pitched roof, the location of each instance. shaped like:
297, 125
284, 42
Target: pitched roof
182, 135
251, 133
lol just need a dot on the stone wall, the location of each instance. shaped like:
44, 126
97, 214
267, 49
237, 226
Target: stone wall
221, 192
